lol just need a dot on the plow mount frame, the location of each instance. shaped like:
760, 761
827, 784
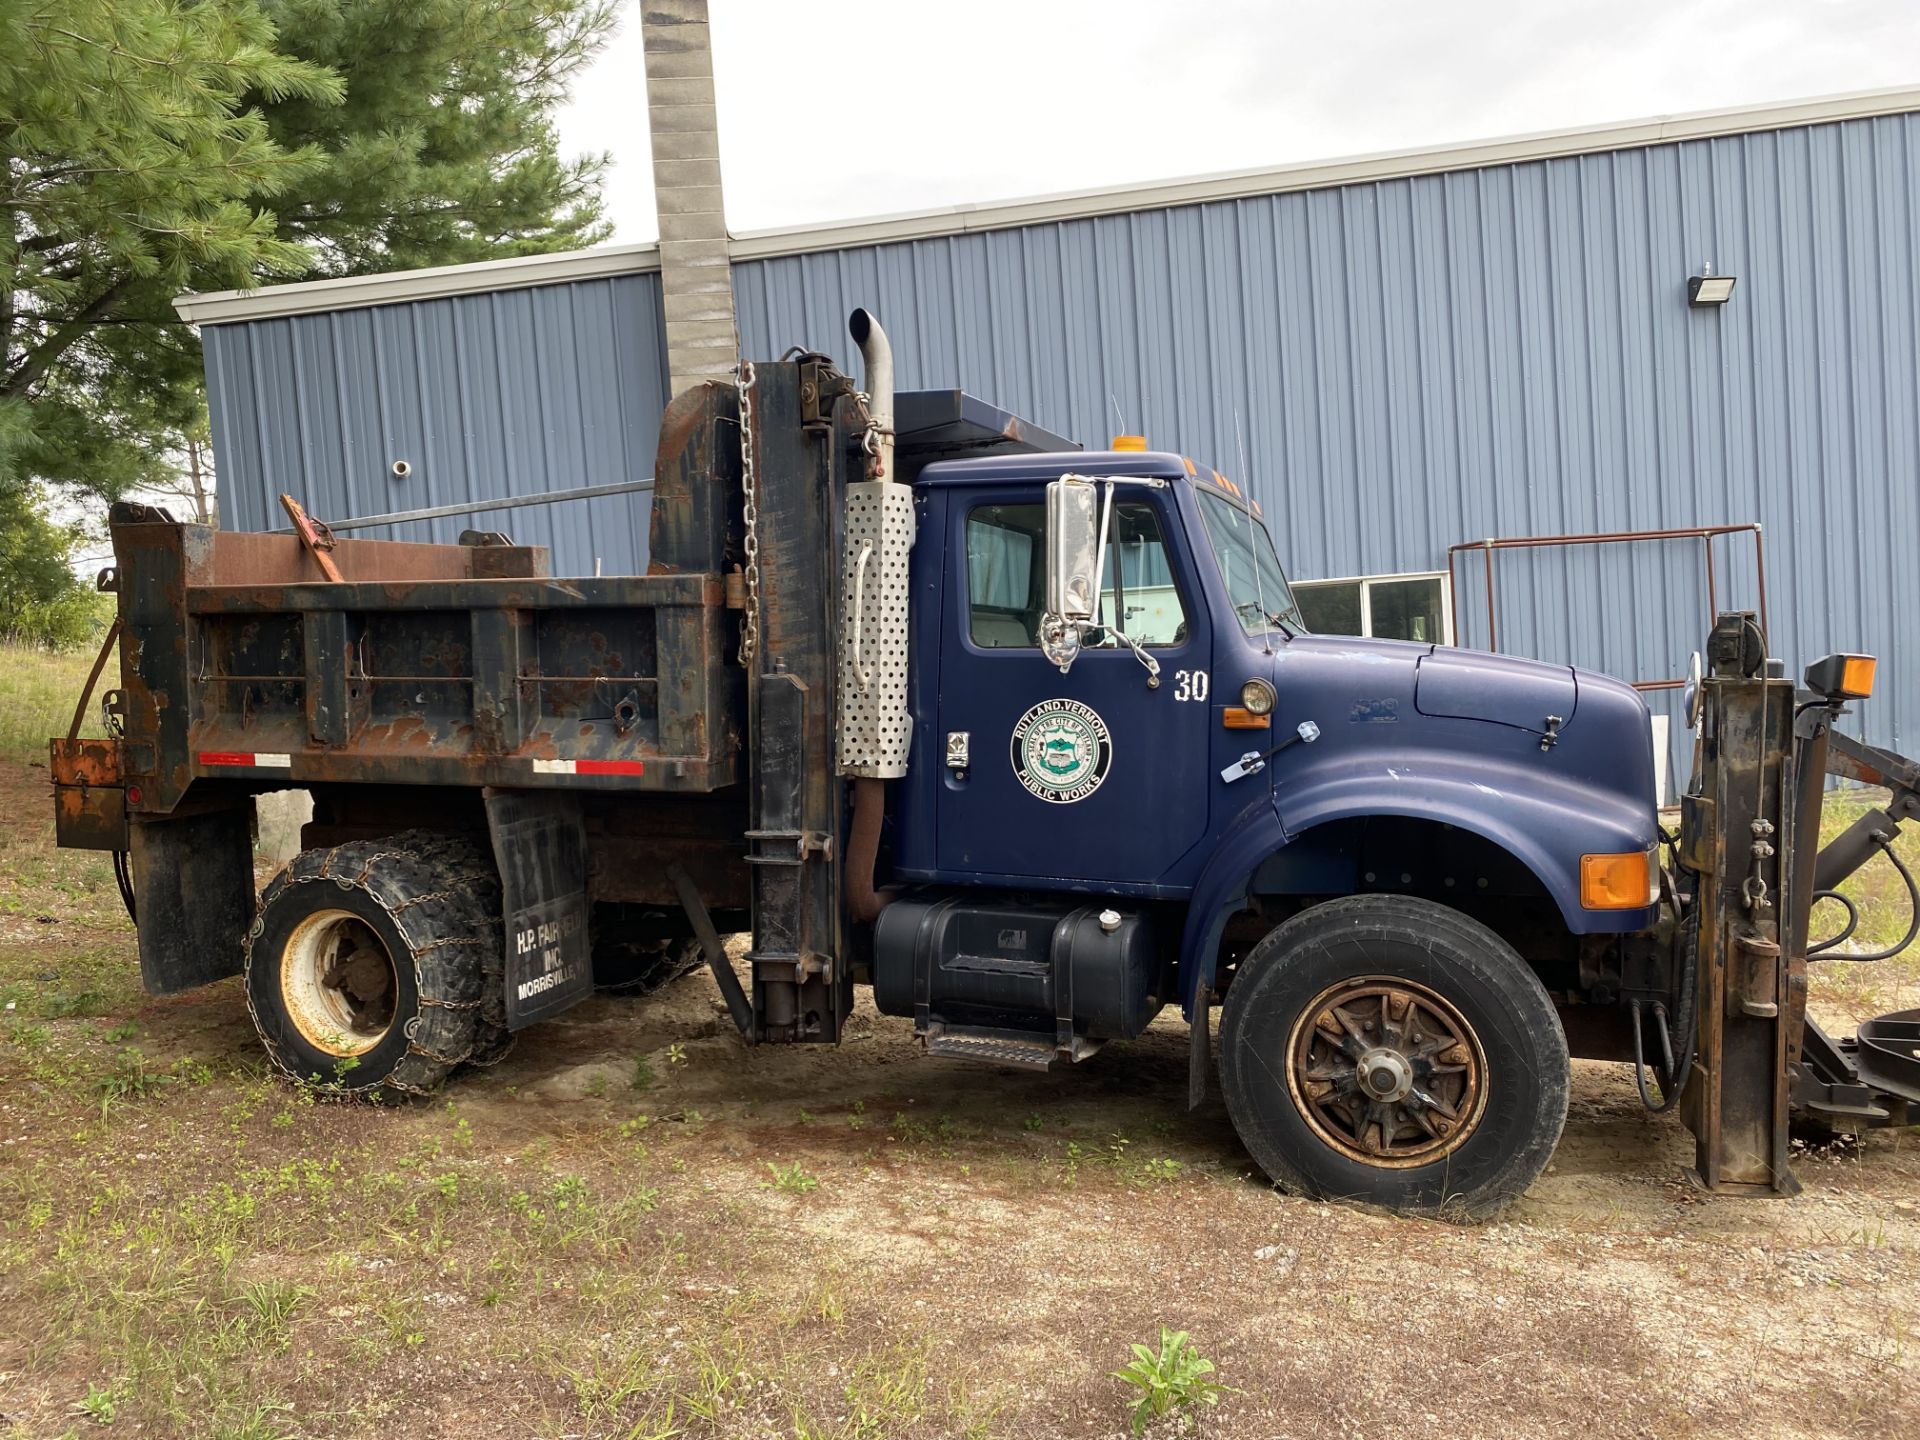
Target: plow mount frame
1750, 836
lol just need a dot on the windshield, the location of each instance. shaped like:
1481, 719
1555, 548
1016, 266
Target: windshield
1244, 552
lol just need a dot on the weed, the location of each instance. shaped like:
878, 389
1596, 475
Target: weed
642, 1073
790, 1179
72, 1004
101, 1402
676, 1054
1161, 1170
1070, 1171
128, 1080
661, 1429
273, 1302
258, 1423
570, 1192
1173, 1380
1033, 1124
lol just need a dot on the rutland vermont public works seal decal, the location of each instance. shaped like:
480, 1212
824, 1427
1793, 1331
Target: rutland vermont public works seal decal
1061, 751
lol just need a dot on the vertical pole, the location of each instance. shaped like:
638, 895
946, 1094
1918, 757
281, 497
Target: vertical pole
696, 277
1493, 635
1738, 835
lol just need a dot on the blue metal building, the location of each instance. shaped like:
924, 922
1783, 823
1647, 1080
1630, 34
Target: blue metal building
1398, 353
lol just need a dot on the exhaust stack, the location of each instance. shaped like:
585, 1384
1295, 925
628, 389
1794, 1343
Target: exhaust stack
874, 728
876, 356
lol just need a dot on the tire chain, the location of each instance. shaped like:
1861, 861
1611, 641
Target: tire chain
443, 895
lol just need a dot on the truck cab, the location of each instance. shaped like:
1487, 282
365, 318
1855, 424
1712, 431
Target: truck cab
1478, 779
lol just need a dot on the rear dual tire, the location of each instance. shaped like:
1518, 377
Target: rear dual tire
1387, 1050
378, 966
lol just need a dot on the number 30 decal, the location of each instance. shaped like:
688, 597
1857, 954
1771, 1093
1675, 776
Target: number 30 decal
1190, 685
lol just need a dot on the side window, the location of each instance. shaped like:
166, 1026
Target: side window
1005, 578
1136, 586
1392, 607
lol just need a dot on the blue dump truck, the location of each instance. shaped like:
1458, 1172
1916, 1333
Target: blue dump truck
1030, 740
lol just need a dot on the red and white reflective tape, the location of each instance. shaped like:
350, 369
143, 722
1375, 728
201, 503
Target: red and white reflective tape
589, 767
253, 759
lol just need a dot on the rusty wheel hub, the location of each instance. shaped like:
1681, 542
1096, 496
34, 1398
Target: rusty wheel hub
339, 983
1387, 1072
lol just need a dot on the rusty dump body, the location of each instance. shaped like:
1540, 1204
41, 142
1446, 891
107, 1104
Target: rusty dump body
424, 664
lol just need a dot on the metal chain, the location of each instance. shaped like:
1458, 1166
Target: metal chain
870, 437
743, 379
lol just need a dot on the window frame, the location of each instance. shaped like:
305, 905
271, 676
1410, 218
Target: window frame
1366, 583
1166, 516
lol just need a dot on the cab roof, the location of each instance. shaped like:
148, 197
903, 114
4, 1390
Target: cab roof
1002, 469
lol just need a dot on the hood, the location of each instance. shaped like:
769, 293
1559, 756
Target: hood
1499, 689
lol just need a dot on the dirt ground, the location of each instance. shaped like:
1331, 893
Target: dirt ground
637, 1227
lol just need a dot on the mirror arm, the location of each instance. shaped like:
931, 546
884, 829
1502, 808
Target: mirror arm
1100, 547
1140, 653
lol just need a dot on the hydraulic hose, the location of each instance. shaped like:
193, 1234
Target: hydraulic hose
1853, 916
1673, 1080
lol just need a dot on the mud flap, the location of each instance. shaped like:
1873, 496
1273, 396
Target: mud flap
540, 846
193, 890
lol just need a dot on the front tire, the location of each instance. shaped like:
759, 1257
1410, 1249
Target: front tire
1388, 1050
371, 966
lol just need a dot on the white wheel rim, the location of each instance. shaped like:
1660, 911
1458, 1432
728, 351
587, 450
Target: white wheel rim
331, 982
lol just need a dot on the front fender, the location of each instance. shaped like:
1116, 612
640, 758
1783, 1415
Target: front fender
1220, 890
1547, 826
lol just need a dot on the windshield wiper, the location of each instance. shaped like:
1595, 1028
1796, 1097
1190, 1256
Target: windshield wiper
1278, 621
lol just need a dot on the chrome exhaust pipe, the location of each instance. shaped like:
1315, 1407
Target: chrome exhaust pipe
876, 355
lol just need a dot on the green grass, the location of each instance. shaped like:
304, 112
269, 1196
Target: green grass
38, 691
1862, 991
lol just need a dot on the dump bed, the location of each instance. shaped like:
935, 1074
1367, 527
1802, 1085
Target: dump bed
459, 665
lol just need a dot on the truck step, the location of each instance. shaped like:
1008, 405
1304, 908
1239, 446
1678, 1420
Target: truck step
1029, 1049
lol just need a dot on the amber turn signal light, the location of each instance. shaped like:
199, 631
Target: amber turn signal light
1238, 717
1620, 882
1842, 677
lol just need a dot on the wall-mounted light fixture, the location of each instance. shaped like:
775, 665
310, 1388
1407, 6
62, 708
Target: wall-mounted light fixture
1708, 288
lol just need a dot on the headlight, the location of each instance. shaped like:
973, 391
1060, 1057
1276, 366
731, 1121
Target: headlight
1257, 696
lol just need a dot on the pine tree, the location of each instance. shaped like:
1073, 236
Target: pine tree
443, 150
156, 146
129, 166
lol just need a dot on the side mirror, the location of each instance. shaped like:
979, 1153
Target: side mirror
1073, 548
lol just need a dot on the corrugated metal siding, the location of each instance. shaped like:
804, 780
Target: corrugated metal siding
491, 395
1508, 351
1403, 364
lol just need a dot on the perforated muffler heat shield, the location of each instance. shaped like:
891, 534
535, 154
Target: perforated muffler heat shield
875, 730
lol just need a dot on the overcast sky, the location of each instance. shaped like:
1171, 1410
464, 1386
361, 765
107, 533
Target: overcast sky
838, 110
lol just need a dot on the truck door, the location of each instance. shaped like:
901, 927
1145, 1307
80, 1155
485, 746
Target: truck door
1087, 776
